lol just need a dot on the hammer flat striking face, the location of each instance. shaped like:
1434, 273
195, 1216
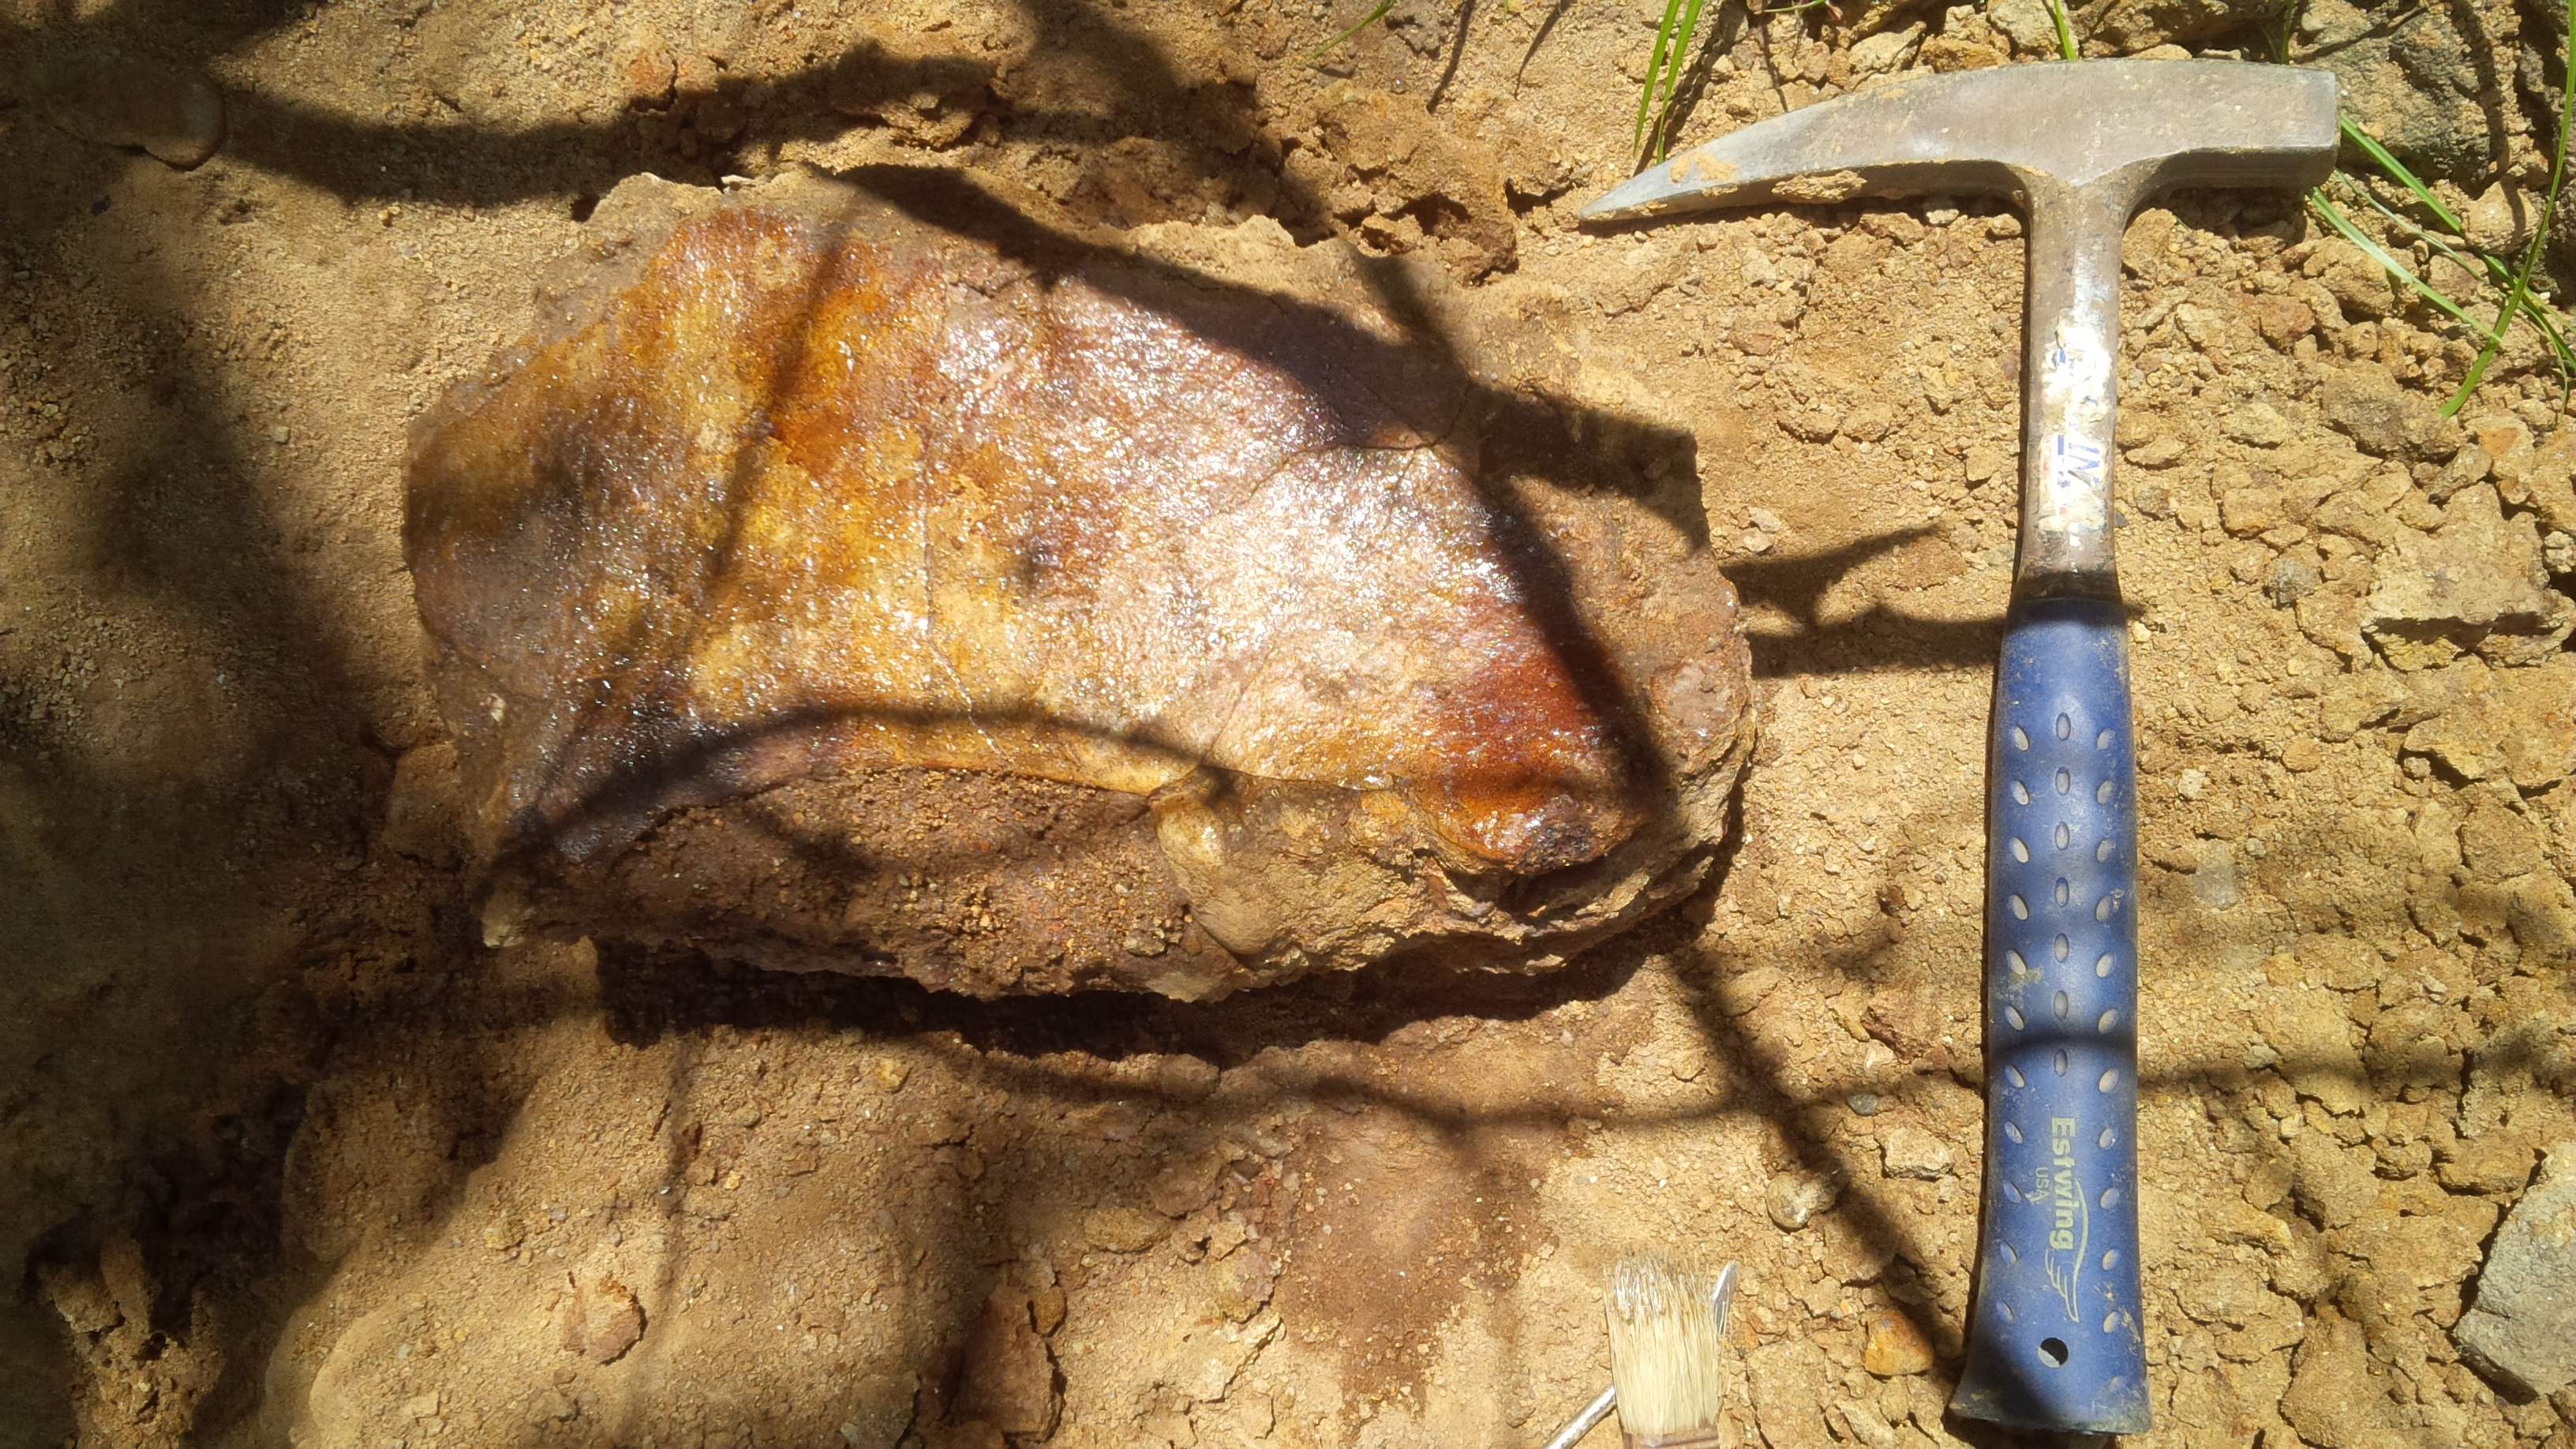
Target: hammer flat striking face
2054, 1335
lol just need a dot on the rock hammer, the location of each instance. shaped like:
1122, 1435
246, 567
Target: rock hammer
2054, 1329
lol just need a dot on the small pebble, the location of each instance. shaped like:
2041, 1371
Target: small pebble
1865, 1104
2290, 580
1794, 1197
1894, 1346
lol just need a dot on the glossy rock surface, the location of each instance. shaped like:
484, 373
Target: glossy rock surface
828, 588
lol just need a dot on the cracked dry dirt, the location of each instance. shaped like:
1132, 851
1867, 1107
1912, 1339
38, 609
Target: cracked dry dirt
294, 1156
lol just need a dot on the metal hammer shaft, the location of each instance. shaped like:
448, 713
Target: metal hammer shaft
2070, 378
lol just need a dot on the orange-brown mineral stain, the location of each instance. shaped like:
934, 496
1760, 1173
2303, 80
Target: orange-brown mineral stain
795, 501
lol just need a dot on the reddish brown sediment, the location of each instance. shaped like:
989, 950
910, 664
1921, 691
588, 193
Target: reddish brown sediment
810, 489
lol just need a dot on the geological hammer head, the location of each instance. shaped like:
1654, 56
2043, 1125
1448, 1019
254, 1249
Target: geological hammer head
2025, 130
2080, 144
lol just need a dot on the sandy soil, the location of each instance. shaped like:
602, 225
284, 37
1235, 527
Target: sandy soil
296, 1157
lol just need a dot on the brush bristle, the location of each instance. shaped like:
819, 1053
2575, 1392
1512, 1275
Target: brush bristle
1667, 1324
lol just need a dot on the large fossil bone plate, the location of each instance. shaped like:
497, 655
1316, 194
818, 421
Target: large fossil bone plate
1024, 609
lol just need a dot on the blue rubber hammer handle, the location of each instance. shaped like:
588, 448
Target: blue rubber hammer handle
2054, 1338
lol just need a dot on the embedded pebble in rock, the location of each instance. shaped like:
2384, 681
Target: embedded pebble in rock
1794, 1198
1887, 50
2230, 1293
885, 1409
2335, 1185
2408, 87
1868, 423
1946, 53
1892, 1346
1786, 1376
2364, 400
2257, 425
1206, 1362
2492, 1162
1868, 1426
177, 116
1179, 654
2521, 1328
1430, 190
2291, 580
2213, 880
2127, 27
1123, 1229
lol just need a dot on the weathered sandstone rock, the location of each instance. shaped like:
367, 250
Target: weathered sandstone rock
834, 583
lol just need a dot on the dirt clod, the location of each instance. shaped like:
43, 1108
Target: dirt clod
601, 1320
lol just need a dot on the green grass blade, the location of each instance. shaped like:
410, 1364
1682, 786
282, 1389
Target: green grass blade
2513, 281
2370, 147
2561, 353
2519, 296
2389, 264
1654, 68
1673, 79
2497, 272
2513, 303
1336, 43
2065, 32
2284, 28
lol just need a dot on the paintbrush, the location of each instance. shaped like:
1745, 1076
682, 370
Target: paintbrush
1666, 1324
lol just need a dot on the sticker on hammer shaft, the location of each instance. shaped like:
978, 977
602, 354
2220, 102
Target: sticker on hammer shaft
2075, 407
2075, 377
2078, 490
